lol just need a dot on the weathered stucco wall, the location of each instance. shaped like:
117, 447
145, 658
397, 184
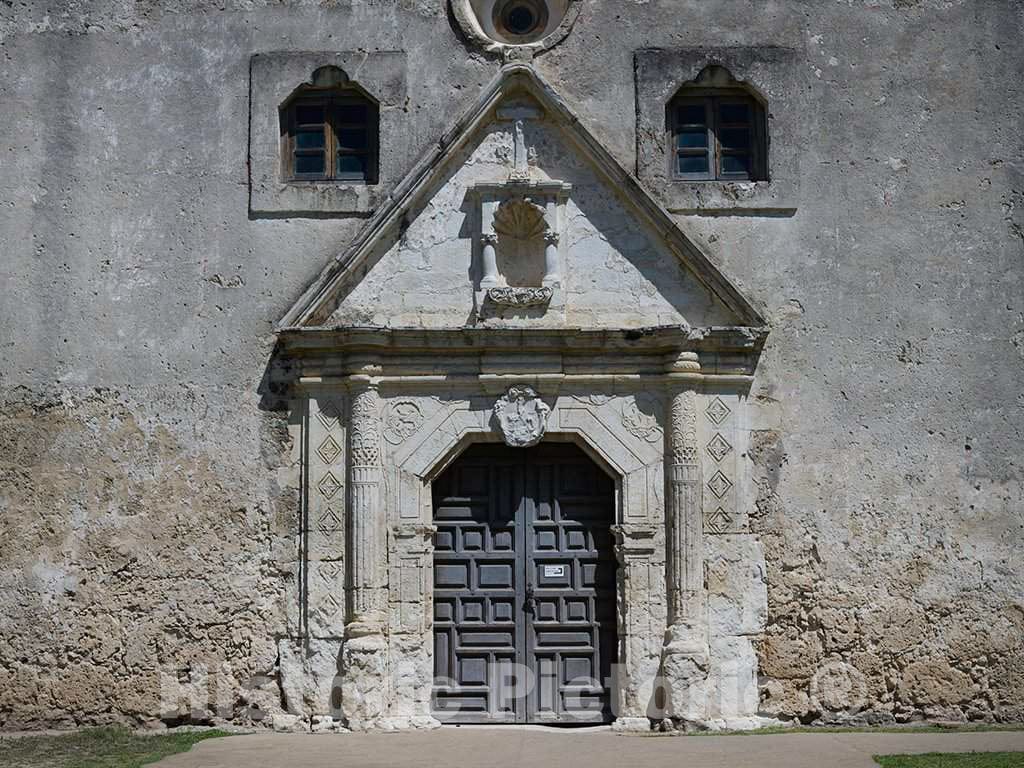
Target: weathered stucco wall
148, 495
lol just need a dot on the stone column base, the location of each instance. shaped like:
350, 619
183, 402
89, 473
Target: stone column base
364, 680
684, 673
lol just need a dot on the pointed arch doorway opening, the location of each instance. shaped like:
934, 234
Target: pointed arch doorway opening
524, 587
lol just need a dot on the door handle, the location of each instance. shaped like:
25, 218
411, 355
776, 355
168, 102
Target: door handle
530, 603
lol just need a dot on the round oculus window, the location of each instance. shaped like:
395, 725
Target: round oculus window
521, 20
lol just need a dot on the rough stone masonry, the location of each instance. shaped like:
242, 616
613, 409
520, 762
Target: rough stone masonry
226, 393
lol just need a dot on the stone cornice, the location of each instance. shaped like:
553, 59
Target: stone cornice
464, 355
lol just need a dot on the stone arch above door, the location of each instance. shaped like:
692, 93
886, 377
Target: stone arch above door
600, 425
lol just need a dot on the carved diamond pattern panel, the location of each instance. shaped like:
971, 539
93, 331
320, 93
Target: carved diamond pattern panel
717, 411
719, 447
719, 484
321, 612
327, 599
718, 522
329, 522
329, 413
329, 450
329, 485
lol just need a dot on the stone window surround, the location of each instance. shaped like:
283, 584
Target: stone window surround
274, 78
769, 71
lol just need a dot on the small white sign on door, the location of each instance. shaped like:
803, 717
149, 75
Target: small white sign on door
554, 571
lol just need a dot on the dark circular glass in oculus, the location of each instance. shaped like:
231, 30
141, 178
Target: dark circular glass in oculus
520, 20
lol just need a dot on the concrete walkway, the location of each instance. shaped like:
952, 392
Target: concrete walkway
481, 747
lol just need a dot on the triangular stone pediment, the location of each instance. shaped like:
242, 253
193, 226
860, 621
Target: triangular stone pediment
520, 218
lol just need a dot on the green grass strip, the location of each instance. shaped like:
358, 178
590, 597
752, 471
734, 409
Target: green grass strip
958, 760
97, 748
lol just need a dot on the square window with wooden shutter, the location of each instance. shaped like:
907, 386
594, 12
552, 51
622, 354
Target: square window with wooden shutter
332, 136
717, 135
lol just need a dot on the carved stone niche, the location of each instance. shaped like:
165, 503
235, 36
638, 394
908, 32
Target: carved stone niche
520, 245
522, 227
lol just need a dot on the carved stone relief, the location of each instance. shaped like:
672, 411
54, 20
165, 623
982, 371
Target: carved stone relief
324, 531
402, 419
522, 416
520, 297
720, 457
642, 417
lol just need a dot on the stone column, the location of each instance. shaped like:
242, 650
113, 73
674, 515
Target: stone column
488, 260
552, 271
364, 654
685, 657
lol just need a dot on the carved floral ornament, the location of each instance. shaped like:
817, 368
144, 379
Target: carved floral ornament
522, 416
641, 416
520, 297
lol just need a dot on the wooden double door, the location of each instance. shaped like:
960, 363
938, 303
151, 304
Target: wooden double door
524, 587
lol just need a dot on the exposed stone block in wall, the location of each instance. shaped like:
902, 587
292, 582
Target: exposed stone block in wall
737, 589
310, 681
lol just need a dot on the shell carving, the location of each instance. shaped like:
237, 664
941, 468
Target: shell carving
520, 218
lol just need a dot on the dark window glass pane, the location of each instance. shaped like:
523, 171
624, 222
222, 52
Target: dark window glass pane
734, 113
309, 163
351, 138
734, 138
309, 139
693, 163
309, 114
691, 113
350, 165
689, 138
352, 113
735, 163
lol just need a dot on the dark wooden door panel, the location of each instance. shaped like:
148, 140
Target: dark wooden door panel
524, 577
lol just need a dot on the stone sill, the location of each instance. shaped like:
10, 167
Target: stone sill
728, 197
314, 198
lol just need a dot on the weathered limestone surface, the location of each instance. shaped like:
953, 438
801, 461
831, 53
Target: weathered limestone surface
614, 273
149, 475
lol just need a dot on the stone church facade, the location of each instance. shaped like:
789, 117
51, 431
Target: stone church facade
663, 371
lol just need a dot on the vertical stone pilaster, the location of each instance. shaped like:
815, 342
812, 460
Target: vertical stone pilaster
323, 532
685, 656
410, 638
638, 657
364, 654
